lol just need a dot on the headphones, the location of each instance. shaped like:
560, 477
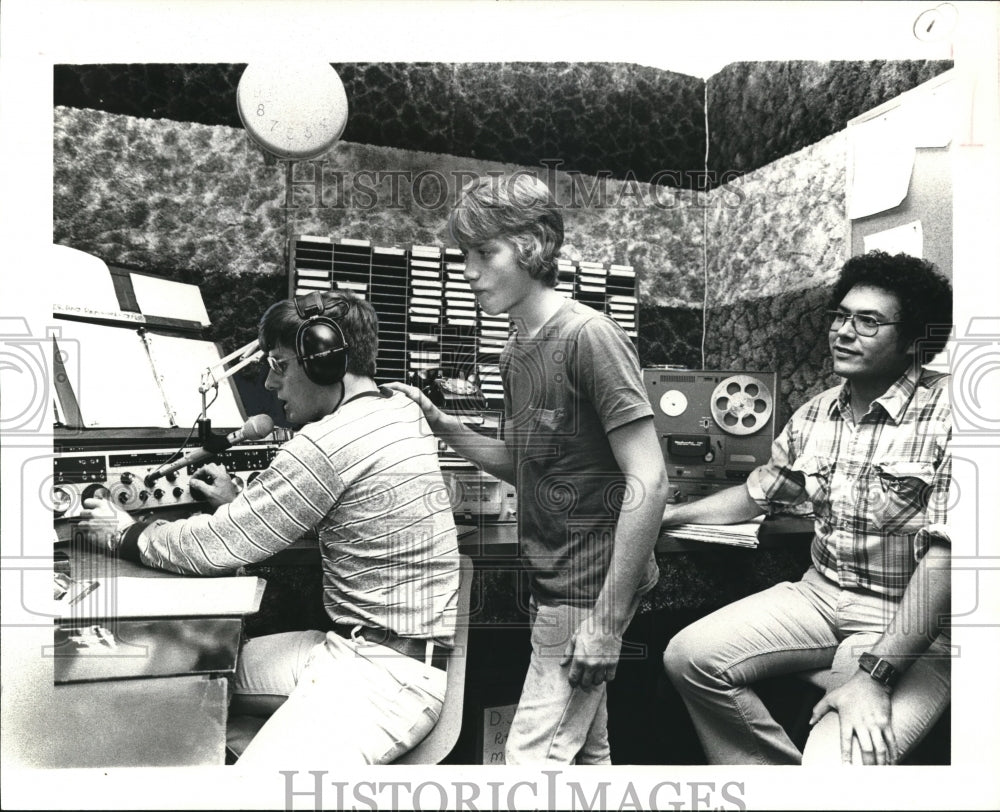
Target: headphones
319, 342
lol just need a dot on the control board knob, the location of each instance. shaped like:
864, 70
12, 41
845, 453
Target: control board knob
127, 478
123, 498
158, 493
172, 476
62, 500
95, 492
178, 493
143, 496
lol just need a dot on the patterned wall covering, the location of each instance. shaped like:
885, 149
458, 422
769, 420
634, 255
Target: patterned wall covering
781, 227
669, 335
594, 116
196, 201
785, 333
772, 257
624, 119
761, 111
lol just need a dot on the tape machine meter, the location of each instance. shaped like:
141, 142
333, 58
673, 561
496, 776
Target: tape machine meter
714, 427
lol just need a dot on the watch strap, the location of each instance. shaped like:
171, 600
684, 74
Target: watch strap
128, 542
882, 671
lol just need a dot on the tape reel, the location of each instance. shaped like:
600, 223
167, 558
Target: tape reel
741, 405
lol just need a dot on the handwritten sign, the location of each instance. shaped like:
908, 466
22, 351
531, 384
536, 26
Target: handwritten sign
496, 728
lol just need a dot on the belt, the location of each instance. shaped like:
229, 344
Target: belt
423, 649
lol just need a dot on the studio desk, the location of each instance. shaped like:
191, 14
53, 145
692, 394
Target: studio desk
159, 696
647, 721
695, 578
143, 688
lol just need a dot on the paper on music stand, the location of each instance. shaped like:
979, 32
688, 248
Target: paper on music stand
178, 363
76, 278
169, 299
112, 376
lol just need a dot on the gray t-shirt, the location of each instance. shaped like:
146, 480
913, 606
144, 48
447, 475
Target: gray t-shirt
565, 388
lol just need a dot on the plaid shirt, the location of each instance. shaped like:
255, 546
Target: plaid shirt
878, 487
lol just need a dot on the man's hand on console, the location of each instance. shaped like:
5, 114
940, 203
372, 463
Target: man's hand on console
212, 483
101, 523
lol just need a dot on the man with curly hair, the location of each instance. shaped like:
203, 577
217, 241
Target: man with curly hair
871, 457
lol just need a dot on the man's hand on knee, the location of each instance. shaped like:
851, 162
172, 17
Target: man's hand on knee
865, 712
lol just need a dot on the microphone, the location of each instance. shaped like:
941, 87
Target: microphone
256, 428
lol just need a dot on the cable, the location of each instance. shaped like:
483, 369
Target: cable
704, 243
194, 425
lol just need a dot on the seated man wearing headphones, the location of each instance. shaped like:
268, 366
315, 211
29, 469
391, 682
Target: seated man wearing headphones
363, 474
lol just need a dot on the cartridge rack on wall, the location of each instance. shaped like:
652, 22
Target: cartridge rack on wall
428, 317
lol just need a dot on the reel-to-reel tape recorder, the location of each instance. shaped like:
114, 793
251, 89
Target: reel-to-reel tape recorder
714, 427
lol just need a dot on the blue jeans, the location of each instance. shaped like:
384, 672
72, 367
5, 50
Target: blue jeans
788, 628
348, 702
556, 722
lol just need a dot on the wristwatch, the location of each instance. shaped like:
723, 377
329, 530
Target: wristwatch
882, 672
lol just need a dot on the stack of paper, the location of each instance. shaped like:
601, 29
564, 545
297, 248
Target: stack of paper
741, 535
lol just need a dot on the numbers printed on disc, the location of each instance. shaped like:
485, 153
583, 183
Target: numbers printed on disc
292, 109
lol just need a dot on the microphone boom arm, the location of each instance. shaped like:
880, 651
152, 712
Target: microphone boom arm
215, 374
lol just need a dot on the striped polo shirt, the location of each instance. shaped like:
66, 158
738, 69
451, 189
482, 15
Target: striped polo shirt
366, 481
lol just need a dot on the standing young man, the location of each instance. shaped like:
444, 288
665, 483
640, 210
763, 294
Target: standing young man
872, 458
363, 474
579, 445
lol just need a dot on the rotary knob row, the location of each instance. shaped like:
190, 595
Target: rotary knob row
67, 499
